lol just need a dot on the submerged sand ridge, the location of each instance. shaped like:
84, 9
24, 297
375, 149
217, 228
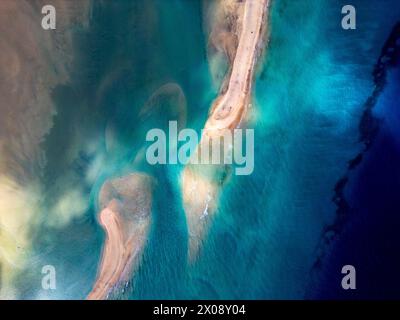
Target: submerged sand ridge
125, 205
201, 184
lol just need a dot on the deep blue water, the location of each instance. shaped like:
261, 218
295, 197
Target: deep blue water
369, 238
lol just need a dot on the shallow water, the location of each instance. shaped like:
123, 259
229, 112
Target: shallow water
308, 101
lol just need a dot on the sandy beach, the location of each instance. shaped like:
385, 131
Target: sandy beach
201, 186
125, 205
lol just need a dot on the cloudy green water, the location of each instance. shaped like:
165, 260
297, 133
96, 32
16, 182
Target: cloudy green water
130, 50
308, 99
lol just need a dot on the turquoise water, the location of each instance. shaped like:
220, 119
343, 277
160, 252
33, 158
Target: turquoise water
309, 96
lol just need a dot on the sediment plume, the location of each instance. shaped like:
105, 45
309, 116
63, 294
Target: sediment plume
32, 62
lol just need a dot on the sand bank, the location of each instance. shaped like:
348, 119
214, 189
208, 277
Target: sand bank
245, 21
125, 205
